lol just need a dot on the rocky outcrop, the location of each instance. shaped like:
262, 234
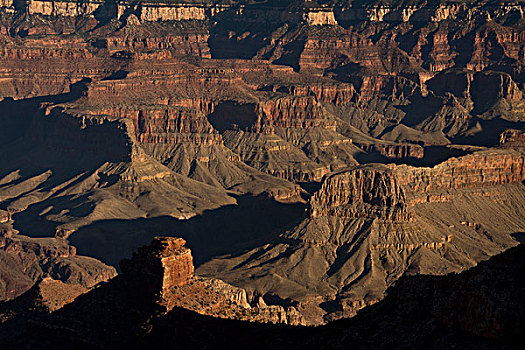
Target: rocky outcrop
483, 89
320, 17
479, 170
481, 307
63, 8
394, 187
425, 12
26, 260
336, 94
395, 151
512, 138
296, 112
364, 192
157, 114
385, 192
7, 6
165, 264
165, 270
166, 12
371, 224
373, 12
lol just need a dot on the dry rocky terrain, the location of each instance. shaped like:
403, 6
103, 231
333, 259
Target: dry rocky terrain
311, 154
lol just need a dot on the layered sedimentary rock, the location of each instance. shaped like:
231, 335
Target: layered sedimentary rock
63, 8
160, 116
482, 307
26, 260
7, 6
177, 11
164, 271
371, 224
320, 17
512, 138
425, 11
399, 151
165, 264
158, 12
479, 170
365, 192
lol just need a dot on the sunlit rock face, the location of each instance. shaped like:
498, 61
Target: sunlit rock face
350, 143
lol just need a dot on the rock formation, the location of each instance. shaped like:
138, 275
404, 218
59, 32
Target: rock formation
371, 224
512, 138
482, 307
351, 142
165, 264
26, 260
165, 270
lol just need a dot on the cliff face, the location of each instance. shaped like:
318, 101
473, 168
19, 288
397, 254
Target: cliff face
426, 12
154, 12
399, 186
157, 115
320, 18
165, 11
512, 138
382, 222
163, 265
473, 171
7, 6
363, 192
164, 272
63, 8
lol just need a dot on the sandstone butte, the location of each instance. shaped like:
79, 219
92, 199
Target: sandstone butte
311, 154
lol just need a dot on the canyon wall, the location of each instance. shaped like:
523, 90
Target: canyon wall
370, 224
364, 192
512, 138
7, 6
483, 169
165, 12
387, 192
159, 11
63, 8
321, 17
425, 12
159, 113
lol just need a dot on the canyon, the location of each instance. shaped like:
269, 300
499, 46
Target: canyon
310, 154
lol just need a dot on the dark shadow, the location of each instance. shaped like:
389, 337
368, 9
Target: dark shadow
17, 115
118, 75
292, 51
230, 115
227, 230
419, 109
105, 13
489, 132
331, 306
32, 223
433, 155
519, 236
233, 36
272, 299
60, 149
310, 187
